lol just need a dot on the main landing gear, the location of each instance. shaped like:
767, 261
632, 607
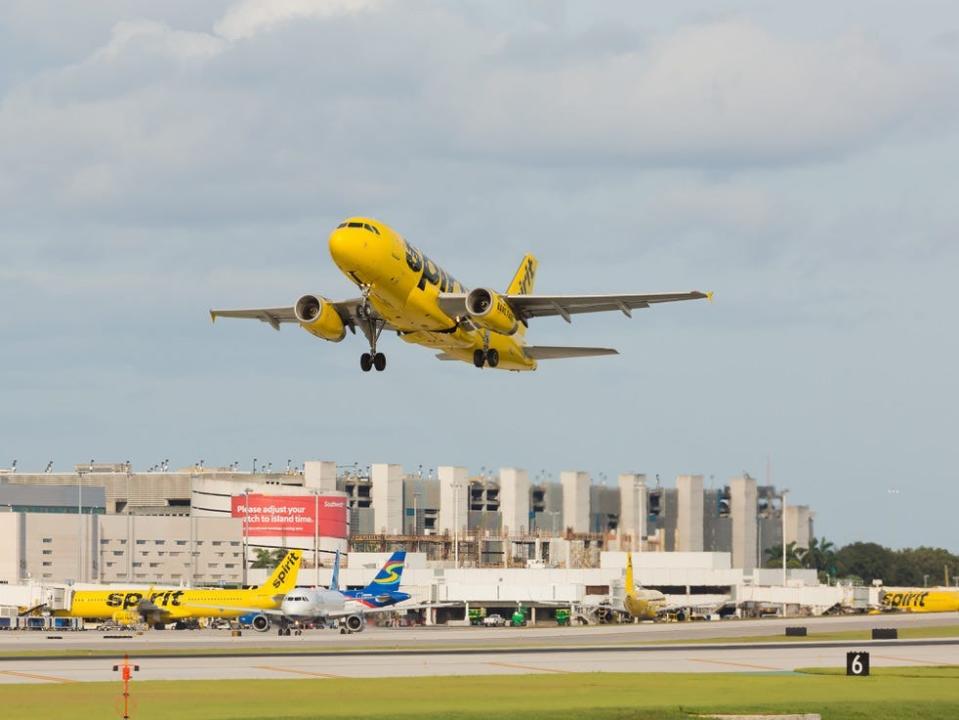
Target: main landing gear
486, 357
368, 361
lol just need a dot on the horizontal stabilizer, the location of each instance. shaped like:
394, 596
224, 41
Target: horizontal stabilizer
550, 352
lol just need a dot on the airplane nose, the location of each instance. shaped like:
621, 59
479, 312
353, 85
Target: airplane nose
347, 248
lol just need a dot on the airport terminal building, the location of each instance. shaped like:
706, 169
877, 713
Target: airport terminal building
197, 525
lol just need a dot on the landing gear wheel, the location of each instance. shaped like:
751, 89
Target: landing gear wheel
492, 358
366, 362
479, 358
379, 362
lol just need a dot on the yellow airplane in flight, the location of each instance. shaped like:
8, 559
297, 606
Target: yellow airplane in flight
920, 600
158, 607
405, 291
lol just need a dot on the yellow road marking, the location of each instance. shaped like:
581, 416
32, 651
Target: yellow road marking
297, 672
735, 664
32, 676
527, 667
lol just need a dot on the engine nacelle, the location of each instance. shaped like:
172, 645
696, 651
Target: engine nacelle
491, 312
260, 623
318, 317
354, 623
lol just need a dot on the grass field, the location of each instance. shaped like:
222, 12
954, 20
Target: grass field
892, 694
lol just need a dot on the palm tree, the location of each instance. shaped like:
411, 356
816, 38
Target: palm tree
821, 556
795, 556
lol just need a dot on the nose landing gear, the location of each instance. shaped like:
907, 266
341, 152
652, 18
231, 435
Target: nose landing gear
374, 326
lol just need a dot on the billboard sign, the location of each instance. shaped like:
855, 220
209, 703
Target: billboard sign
291, 515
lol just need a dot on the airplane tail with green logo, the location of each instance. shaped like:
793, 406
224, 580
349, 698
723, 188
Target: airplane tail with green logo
283, 578
388, 578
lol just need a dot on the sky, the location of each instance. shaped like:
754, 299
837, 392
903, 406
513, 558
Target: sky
160, 159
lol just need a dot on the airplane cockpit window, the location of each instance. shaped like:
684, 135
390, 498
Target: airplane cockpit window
364, 226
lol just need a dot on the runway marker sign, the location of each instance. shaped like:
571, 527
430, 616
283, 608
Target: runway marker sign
857, 663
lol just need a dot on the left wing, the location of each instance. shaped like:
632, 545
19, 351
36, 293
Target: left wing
530, 306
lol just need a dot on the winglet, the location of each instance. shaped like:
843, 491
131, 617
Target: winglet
709, 296
212, 316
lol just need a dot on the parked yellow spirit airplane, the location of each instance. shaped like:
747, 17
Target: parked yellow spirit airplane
160, 606
403, 290
920, 600
642, 604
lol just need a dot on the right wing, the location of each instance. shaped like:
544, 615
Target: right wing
348, 310
272, 316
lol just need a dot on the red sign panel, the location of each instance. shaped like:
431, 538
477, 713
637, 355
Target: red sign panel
291, 516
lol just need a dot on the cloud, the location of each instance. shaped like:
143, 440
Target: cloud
727, 93
247, 18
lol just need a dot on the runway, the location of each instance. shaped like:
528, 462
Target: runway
454, 637
762, 658
406, 652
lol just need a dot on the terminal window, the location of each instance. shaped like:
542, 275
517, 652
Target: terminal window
48, 540
48, 552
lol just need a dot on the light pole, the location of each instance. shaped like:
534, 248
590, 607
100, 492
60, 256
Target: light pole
456, 523
785, 492
316, 533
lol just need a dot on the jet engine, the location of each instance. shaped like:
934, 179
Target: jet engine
318, 317
260, 623
491, 312
354, 623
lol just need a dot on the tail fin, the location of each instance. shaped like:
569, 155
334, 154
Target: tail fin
523, 281
630, 586
283, 578
388, 578
335, 578
525, 277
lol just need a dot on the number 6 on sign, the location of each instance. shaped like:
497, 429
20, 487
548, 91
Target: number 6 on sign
857, 663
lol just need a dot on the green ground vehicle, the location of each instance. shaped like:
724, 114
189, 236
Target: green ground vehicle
562, 617
519, 618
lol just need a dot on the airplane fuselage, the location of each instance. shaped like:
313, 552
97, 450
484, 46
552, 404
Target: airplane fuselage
403, 285
170, 603
920, 600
